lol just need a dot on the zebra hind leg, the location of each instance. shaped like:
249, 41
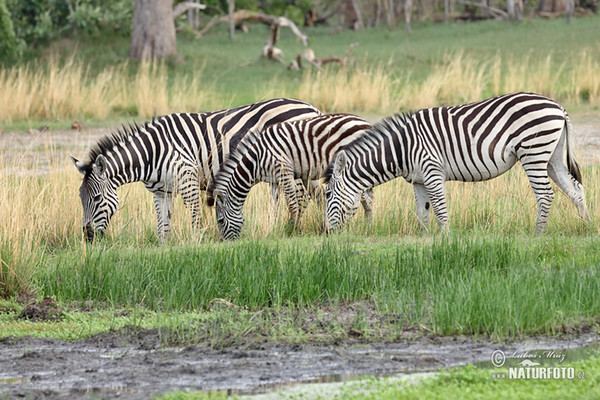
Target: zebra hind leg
423, 206
567, 183
537, 172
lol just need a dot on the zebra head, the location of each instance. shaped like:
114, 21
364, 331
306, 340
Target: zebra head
98, 196
341, 199
229, 216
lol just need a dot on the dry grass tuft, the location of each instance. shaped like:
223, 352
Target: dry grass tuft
67, 89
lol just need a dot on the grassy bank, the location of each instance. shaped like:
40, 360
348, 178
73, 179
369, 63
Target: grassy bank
491, 286
437, 64
469, 383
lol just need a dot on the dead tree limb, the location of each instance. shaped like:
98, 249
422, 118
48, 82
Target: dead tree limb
245, 15
492, 10
187, 5
269, 50
309, 56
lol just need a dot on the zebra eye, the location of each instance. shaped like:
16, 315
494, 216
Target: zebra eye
97, 198
220, 219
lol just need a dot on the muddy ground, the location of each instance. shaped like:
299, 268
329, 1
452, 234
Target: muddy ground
134, 365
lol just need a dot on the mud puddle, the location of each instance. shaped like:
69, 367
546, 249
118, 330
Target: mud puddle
136, 366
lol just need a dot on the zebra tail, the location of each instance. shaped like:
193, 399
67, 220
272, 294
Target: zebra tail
571, 160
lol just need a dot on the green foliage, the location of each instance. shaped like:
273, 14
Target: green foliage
10, 46
38, 21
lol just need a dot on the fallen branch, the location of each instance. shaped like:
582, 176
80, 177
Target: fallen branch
309, 56
245, 15
187, 5
269, 50
491, 9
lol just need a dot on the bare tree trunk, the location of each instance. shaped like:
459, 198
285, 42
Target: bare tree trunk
569, 5
519, 9
485, 10
510, 8
446, 10
358, 24
390, 12
407, 14
378, 9
193, 15
153, 34
231, 10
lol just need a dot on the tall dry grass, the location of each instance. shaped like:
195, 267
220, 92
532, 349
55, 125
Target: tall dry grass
68, 89
456, 79
41, 213
368, 89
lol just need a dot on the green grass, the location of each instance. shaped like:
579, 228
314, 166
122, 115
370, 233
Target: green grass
473, 383
468, 383
493, 286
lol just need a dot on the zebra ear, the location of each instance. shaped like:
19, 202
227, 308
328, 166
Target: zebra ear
80, 166
340, 162
100, 166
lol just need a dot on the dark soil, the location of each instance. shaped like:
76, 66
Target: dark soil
133, 364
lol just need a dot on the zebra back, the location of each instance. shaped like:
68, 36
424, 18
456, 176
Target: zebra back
308, 144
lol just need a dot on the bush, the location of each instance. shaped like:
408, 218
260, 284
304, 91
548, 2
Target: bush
10, 46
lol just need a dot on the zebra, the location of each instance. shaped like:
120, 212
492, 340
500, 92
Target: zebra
469, 143
176, 153
280, 154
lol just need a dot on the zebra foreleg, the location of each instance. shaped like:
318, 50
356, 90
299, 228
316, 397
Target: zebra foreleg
423, 206
291, 192
435, 190
275, 196
189, 188
163, 202
544, 195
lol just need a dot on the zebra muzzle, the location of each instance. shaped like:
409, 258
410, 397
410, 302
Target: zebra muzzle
88, 230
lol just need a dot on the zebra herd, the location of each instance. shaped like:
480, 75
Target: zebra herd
293, 146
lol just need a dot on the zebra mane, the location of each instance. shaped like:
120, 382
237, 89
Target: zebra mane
238, 150
115, 138
374, 136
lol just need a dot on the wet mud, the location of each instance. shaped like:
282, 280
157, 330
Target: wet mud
134, 365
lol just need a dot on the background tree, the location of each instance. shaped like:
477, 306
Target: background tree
153, 34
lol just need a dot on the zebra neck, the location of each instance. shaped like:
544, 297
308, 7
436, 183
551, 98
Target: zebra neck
374, 165
246, 174
122, 169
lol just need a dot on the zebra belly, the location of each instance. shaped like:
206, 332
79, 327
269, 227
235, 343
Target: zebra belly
481, 171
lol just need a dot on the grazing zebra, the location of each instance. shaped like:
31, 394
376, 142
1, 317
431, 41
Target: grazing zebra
471, 142
280, 154
176, 153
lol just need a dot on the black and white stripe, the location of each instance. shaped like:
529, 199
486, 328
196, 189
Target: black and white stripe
471, 142
176, 153
281, 154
